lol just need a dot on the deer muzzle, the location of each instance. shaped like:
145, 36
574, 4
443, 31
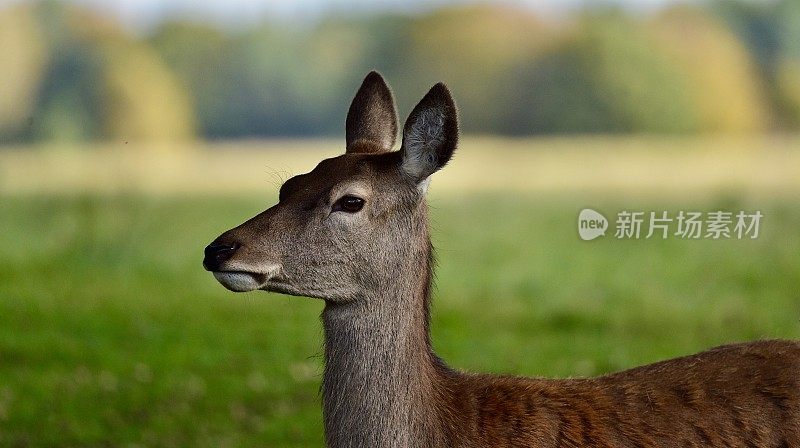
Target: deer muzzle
219, 259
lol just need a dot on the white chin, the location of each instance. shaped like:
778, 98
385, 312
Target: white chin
238, 281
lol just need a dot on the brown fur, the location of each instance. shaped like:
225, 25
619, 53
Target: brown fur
384, 387
743, 395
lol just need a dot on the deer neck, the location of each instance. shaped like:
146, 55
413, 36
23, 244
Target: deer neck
380, 372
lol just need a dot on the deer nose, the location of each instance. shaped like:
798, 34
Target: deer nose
217, 253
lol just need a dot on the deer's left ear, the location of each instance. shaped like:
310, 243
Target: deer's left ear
430, 134
371, 124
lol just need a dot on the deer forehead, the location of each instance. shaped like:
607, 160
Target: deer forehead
356, 174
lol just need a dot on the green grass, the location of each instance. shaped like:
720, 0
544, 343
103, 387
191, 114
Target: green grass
111, 334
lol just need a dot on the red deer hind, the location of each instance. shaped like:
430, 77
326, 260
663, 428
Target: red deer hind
354, 232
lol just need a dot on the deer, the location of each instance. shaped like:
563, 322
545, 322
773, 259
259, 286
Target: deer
354, 232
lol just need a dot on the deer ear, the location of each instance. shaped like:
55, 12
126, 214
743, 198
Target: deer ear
430, 134
372, 120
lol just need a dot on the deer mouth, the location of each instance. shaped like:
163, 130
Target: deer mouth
240, 281
243, 281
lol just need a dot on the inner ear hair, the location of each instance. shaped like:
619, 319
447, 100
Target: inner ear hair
430, 134
422, 137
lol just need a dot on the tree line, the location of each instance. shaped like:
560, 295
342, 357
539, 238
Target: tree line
726, 67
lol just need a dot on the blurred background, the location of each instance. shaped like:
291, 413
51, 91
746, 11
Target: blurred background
134, 71
132, 133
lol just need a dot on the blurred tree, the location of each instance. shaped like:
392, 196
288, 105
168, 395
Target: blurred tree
142, 100
472, 48
68, 106
287, 85
202, 57
725, 88
22, 58
787, 85
95, 82
267, 81
605, 77
756, 26
275, 81
788, 14
787, 73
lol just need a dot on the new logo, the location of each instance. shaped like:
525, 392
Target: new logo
591, 224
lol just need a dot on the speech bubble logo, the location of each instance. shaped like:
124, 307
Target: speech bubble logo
591, 224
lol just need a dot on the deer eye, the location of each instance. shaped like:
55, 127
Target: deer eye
349, 204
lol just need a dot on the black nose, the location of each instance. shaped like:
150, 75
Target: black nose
218, 253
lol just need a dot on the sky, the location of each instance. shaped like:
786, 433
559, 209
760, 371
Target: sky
144, 13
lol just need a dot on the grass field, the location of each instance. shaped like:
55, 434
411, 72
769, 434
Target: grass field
111, 334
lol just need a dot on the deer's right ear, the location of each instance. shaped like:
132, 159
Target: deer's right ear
372, 120
430, 134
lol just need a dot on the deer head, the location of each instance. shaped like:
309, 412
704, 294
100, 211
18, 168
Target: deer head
356, 221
